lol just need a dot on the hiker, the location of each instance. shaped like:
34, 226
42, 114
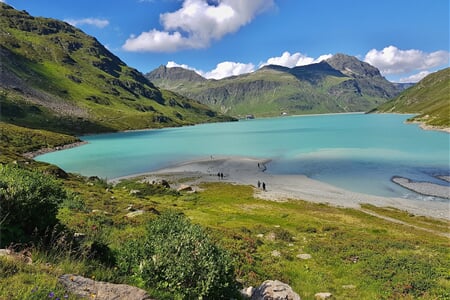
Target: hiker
264, 186
221, 175
259, 184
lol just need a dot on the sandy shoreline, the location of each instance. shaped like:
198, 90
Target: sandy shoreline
248, 171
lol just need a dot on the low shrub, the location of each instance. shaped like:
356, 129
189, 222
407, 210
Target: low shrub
179, 257
29, 203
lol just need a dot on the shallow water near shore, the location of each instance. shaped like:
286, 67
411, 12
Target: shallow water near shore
357, 152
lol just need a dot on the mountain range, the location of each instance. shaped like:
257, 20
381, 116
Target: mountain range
54, 76
341, 83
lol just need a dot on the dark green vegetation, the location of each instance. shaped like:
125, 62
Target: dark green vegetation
25, 198
179, 257
430, 98
354, 255
339, 84
55, 77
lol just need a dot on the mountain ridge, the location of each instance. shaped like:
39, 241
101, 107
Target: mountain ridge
339, 84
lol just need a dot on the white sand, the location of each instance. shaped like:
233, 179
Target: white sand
242, 170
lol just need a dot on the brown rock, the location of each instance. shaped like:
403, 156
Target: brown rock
85, 287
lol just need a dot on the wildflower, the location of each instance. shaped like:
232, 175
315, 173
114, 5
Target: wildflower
51, 295
34, 289
66, 296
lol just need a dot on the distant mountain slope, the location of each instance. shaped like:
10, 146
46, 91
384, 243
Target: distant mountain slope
53, 76
430, 98
340, 84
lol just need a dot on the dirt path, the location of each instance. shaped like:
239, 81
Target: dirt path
389, 219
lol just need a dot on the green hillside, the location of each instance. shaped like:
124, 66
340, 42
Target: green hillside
56, 77
430, 98
340, 84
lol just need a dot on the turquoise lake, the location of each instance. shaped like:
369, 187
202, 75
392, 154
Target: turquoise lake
357, 152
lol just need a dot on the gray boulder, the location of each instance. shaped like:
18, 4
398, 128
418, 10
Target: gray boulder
274, 290
323, 296
85, 287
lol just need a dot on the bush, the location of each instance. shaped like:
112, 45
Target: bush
179, 257
28, 203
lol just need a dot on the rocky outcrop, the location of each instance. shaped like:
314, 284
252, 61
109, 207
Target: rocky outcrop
85, 287
274, 290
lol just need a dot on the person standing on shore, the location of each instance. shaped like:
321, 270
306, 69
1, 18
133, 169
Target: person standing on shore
264, 186
259, 184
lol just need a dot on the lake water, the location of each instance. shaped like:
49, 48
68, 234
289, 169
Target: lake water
357, 152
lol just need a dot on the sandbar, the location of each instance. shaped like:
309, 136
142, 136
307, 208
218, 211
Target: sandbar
248, 171
423, 187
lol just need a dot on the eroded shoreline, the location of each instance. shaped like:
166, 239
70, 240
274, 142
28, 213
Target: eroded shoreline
42, 151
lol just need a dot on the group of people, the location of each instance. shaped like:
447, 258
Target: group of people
263, 185
262, 167
220, 175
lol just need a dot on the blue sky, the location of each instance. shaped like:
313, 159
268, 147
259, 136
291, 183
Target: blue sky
405, 39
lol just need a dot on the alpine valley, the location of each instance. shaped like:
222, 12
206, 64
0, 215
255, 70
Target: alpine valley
65, 235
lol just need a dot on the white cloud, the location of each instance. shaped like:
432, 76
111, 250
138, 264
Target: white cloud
229, 68
293, 60
415, 77
100, 23
196, 24
392, 60
172, 64
222, 70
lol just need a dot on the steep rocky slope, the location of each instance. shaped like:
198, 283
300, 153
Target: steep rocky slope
54, 76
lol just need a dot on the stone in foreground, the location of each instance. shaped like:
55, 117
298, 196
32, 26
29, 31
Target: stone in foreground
85, 287
274, 290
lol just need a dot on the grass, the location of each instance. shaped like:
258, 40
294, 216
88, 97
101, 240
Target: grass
354, 255
428, 98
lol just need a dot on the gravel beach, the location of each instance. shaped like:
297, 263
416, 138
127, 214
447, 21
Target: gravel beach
248, 171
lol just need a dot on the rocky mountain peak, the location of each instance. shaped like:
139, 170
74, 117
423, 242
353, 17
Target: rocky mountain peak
174, 73
352, 66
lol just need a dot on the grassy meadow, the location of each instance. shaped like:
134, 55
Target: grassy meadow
354, 255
